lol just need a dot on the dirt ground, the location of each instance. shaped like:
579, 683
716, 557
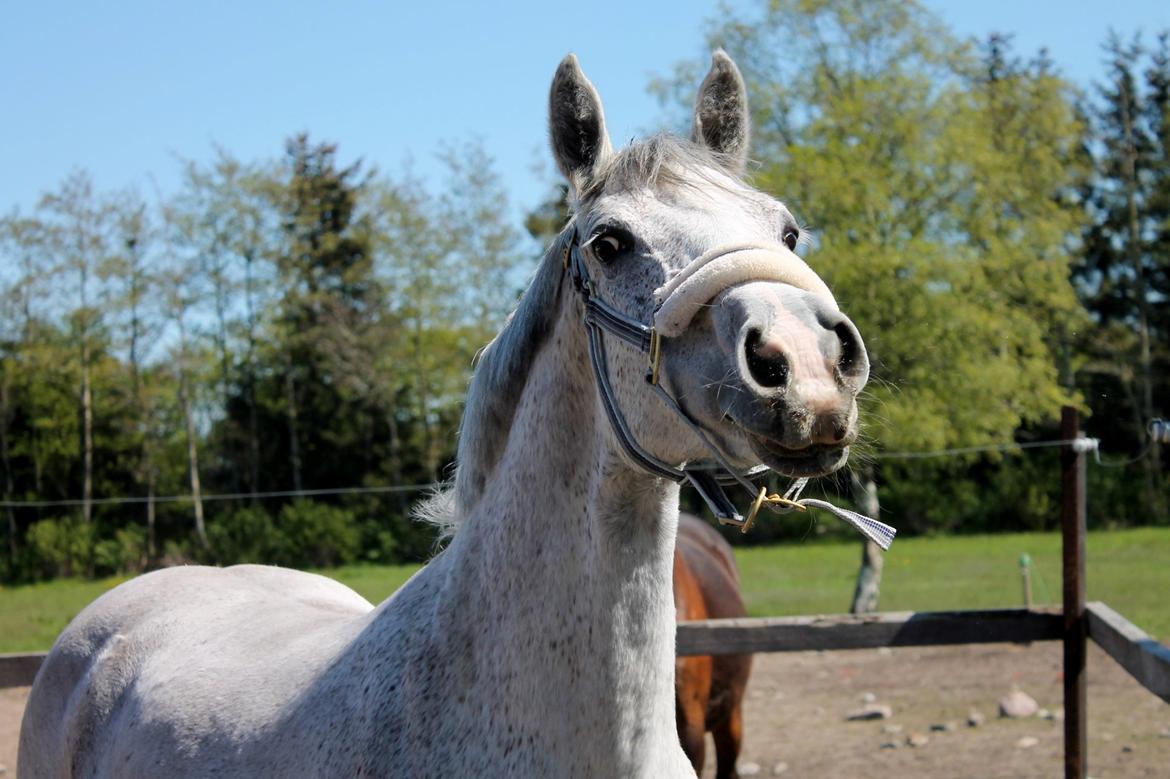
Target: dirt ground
797, 703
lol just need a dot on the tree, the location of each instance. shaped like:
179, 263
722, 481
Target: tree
136, 286
19, 239
326, 271
294, 322
1126, 261
479, 243
944, 239
76, 225
180, 282
234, 212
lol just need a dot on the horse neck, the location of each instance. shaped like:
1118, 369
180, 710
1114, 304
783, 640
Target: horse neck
566, 560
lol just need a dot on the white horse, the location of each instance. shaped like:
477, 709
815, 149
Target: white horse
541, 641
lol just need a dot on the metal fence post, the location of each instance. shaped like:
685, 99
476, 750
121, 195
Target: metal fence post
1072, 521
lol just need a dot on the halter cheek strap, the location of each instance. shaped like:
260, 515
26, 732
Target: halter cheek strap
680, 299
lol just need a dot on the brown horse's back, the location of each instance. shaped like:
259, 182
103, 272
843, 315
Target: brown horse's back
709, 690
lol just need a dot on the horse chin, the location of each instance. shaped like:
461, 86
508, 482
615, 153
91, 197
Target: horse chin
797, 463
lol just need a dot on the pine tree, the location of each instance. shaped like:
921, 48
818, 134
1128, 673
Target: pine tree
1124, 266
326, 273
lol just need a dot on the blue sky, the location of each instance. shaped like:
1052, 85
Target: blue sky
123, 88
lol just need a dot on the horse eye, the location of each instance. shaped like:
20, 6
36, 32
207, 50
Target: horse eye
790, 238
607, 246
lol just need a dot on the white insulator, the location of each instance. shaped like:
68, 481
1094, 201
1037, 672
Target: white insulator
1085, 445
1160, 431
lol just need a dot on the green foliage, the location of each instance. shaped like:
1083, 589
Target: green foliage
1124, 272
305, 533
944, 183
316, 534
1021, 492
60, 547
245, 535
125, 553
290, 324
933, 180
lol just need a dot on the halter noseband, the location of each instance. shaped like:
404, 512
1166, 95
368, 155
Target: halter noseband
680, 300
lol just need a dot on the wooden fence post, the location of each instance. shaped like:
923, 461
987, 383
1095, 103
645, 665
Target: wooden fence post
1072, 520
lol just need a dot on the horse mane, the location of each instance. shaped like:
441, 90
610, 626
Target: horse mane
659, 162
496, 387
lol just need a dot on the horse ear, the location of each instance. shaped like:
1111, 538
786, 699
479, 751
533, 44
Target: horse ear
576, 122
721, 112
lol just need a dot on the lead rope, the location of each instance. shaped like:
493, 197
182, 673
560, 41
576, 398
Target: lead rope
878, 532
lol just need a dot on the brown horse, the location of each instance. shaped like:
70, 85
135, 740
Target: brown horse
708, 689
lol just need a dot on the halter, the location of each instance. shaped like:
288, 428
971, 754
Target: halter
681, 298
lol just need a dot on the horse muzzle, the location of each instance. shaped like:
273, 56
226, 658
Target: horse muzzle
796, 365
765, 351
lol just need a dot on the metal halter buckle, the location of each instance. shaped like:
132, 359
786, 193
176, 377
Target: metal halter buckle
772, 500
655, 355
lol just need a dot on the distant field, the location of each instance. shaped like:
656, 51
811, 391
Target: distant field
1129, 570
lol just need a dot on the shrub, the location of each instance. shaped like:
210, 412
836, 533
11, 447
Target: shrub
316, 534
245, 536
124, 553
60, 547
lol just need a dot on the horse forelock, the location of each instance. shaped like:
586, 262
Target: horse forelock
658, 162
496, 387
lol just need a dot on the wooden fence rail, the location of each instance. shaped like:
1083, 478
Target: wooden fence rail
19, 670
867, 631
1144, 658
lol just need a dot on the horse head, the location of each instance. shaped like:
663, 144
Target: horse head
745, 343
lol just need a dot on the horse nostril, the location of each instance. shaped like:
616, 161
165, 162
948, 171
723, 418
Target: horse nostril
848, 363
767, 364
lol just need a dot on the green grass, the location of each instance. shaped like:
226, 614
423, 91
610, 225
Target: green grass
32, 616
375, 583
1128, 569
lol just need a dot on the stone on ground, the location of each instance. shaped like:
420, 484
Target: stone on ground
1016, 704
872, 711
917, 740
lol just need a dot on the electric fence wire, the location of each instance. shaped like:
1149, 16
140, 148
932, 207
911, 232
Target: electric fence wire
971, 450
1159, 432
221, 496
